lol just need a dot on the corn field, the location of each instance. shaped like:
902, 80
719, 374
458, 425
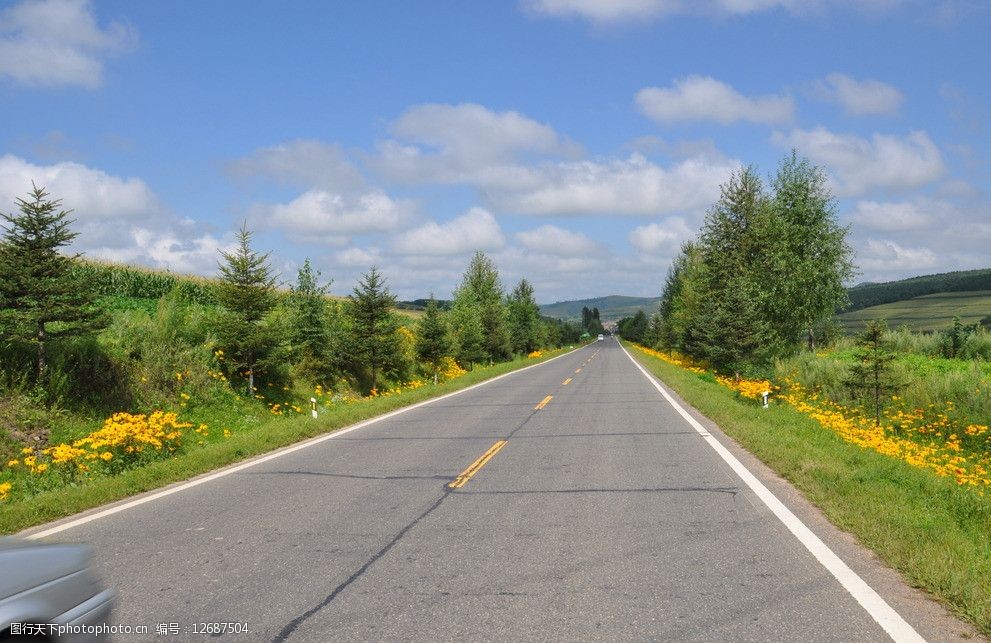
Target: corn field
111, 280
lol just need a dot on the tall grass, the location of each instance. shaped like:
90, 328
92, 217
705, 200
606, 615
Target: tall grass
924, 376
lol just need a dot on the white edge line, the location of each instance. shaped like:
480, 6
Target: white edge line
896, 627
273, 455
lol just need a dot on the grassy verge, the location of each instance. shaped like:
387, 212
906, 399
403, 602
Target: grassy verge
933, 531
271, 434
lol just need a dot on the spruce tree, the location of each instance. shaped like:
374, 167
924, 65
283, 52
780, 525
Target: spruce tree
731, 330
373, 325
309, 321
525, 329
433, 341
482, 289
871, 377
41, 300
469, 333
246, 294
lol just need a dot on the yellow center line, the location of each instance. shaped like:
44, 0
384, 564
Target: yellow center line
543, 402
566, 382
578, 370
466, 475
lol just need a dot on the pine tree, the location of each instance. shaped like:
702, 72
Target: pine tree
309, 320
871, 376
731, 330
433, 341
373, 325
246, 294
482, 289
469, 333
524, 319
37, 286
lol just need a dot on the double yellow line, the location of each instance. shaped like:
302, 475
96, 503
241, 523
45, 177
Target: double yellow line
476, 466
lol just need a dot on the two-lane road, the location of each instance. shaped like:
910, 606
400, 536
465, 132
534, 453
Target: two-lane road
568, 501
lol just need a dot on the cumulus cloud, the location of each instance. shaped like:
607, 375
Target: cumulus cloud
355, 257
455, 143
58, 42
860, 165
119, 219
884, 256
304, 162
319, 216
702, 98
94, 195
558, 242
169, 249
919, 214
661, 238
859, 97
632, 186
477, 229
525, 167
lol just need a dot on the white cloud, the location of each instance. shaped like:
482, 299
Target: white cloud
664, 238
859, 165
897, 216
318, 216
558, 242
463, 142
860, 97
355, 257
702, 98
633, 186
118, 219
613, 12
91, 193
525, 167
605, 11
58, 42
166, 249
303, 162
477, 229
885, 256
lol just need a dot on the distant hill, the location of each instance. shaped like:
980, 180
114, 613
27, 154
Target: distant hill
610, 307
926, 313
875, 294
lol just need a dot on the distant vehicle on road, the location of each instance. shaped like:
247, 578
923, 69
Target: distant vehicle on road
600, 338
48, 586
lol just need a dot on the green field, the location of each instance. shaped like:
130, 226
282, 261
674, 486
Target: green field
928, 313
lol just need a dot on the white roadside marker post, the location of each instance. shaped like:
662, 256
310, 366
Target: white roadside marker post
313, 407
765, 394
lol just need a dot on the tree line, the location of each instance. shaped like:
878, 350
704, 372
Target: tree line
763, 278
263, 332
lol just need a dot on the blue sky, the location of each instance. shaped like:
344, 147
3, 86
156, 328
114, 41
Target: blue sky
578, 142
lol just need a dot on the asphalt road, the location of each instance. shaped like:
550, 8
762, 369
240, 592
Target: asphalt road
604, 515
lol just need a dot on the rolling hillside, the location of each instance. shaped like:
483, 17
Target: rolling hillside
875, 294
610, 307
926, 313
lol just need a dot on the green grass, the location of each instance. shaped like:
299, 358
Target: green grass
271, 433
928, 313
935, 533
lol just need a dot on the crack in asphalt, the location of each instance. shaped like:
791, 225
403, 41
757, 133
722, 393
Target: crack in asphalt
345, 475
726, 490
294, 624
